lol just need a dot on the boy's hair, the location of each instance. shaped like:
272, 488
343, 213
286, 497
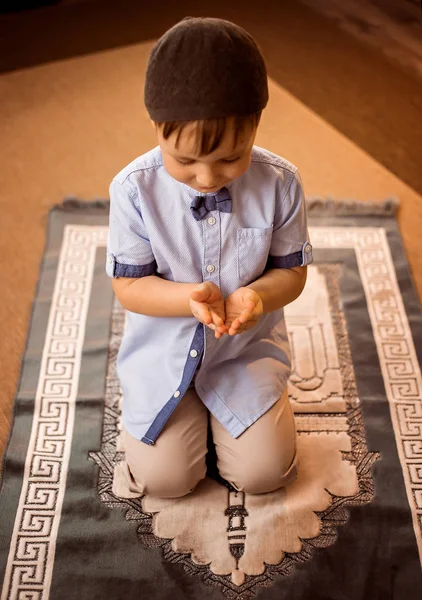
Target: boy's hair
205, 68
210, 132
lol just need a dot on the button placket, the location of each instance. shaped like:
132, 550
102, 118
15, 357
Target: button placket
211, 238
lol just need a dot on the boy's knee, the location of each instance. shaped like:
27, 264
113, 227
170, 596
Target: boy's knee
172, 482
261, 479
174, 485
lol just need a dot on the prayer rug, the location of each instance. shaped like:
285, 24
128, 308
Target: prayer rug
350, 526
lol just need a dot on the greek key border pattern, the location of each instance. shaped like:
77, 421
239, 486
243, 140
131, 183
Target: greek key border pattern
32, 549
396, 351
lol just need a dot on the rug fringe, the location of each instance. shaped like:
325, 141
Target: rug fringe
315, 206
359, 208
71, 203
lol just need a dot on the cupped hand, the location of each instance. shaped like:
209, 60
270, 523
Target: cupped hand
243, 310
207, 305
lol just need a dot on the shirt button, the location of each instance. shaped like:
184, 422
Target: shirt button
210, 268
211, 221
109, 259
193, 353
308, 248
176, 394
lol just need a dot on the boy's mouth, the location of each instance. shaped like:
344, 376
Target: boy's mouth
211, 189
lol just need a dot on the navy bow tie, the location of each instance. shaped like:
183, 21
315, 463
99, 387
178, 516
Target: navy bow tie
202, 205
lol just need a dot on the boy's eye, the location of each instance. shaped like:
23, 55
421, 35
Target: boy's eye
223, 160
185, 162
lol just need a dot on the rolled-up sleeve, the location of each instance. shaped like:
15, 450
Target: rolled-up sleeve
290, 244
129, 252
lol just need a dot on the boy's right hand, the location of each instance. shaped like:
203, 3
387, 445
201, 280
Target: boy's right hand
207, 305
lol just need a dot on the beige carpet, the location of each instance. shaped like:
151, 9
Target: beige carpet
69, 126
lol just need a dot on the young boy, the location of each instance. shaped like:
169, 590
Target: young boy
208, 242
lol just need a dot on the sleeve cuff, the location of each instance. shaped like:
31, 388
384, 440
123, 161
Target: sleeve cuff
298, 259
115, 269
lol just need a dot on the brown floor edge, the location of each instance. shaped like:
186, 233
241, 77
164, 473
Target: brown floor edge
350, 85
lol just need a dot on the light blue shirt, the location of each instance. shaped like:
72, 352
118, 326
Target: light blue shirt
152, 231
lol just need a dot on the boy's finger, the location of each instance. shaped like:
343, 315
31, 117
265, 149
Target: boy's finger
199, 295
228, 327
229, 324
203, 315
238, 331
218, 322
234, 327
244, 316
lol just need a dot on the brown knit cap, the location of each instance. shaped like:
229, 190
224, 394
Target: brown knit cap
205, 68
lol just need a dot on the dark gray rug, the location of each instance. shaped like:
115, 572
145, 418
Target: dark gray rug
350, 527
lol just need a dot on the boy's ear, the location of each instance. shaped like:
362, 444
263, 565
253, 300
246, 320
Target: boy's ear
154, 124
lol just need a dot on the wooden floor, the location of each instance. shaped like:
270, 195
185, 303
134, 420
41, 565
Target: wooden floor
72, 117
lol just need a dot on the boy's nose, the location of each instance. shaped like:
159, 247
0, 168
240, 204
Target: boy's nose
206, 178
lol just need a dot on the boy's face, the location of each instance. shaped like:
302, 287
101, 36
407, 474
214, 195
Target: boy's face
207, 174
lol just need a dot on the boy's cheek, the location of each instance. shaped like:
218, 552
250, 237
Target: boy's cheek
174, 169
242, 168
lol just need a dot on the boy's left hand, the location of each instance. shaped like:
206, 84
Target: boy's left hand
243, 310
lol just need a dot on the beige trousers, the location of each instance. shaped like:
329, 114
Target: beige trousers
261, 460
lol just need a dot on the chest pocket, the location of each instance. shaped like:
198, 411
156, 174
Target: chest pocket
253, 246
